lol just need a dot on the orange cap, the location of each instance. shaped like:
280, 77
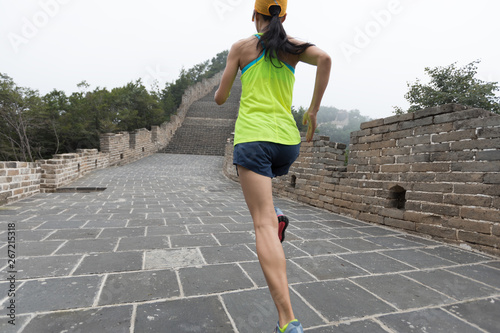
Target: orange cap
262, 6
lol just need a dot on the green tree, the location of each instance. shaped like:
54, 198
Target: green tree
452, 85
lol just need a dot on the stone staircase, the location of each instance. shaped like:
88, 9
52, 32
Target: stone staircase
207, 126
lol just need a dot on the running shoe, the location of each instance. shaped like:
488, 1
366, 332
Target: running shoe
293, 327
282, 224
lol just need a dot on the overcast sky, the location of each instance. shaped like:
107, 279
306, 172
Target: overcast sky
377, 46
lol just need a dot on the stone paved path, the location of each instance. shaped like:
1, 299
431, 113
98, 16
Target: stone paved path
169, 247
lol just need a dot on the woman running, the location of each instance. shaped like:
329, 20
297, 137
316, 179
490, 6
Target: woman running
266, 138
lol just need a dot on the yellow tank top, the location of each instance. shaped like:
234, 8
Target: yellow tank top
265, 112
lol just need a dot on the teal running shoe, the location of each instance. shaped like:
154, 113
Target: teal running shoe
293, 327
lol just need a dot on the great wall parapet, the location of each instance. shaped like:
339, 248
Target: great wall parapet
435, 172
19, 180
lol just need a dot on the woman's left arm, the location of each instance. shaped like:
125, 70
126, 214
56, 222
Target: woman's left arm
230, 72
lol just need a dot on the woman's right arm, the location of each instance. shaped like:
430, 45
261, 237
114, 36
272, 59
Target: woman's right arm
315, 56
230, 72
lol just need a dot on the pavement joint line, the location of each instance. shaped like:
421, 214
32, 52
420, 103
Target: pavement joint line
469, 278
133, 318
231, 320
247, 275
58, 248
374, 295
318, 313
310, 274
382, 325
77, 265
99, 291
213, 236
465, 321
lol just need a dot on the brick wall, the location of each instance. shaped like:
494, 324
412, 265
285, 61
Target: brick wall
435, 172
62, 169
126, 147
18, 180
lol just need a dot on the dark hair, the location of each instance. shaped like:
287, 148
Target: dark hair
275, 40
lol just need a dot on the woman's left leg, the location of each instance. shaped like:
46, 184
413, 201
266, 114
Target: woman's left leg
257, 190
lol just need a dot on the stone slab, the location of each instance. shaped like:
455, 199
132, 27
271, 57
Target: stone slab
143, 243
314, 248
139, 287
74, 234
81, 246
329, 267
428, 320
366, 326
175, 258
483, 313
376, 263
402, 292
481, 273
452, 285
254, 311
418, 259
227, 254
40, 248
166, 230
57, 294
37, 267
105, 320
393, 242
342, 300
356, 244
456, 255
205, 314
110, 262
122, 232
213, 279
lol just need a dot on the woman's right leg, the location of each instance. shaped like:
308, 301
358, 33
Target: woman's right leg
257, 190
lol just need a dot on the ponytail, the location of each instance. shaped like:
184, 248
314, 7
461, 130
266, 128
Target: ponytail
275, 40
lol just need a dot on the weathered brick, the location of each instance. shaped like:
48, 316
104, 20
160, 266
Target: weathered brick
477, 238
414, 140
468, 225
436, 110
415, 123
490, 155
434, 187
373, 123
494, 120
436, 231
434, 129
418, 158
431, 167
441, 209
383, 144
425, 196
476, 166
418, 177
415, 216
398, 134
467, 200
495, 230
430, 148
458, 177
461, 115
481, 214
454, 156
395, 168
399, 118
402, 224
475, 144
371, 218
370, 138
489, 133
455, 136
396, 151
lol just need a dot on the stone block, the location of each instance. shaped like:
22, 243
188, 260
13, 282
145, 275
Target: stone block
476, 166
469, 225
478, 238
439, 147
415, 123
433, 129
461, 115
489, 133
395, 168
399, 118
467, 200
480, 213
436, 231
399, 223
482, 189
431, 167
448, 210
373, 123
490, 155
398, 134
455, 136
